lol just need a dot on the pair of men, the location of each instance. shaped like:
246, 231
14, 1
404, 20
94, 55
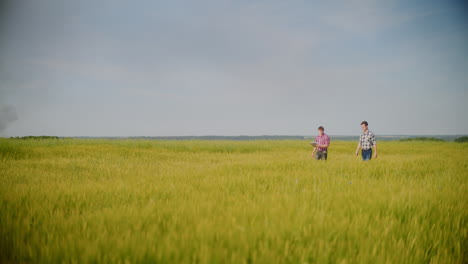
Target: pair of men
366, 143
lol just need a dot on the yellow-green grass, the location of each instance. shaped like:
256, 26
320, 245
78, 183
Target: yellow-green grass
136, 201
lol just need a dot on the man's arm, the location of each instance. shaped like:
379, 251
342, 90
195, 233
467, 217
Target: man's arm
358, 147
327, 143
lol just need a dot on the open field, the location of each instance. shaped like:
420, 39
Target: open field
137, 201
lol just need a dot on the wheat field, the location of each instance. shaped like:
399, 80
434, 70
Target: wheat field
143, 201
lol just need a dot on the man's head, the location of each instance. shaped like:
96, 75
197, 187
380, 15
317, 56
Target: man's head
364, 126
321, 130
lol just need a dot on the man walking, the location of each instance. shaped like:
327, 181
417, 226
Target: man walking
323, 141
366, 142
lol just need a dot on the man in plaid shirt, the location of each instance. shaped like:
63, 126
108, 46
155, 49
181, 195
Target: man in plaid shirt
366, 142
323, 141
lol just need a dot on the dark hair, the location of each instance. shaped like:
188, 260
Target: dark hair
364, 123
321, 128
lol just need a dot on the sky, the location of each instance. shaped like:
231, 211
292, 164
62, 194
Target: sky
219, 67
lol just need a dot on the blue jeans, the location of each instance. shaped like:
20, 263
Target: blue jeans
367, 154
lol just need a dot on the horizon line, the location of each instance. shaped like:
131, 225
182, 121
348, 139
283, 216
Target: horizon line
241, 135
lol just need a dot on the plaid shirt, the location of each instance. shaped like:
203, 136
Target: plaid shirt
322, 140
367, 140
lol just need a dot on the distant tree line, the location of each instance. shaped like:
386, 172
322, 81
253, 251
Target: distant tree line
264, 137
422, 139
459, 139
36, 137
462, 139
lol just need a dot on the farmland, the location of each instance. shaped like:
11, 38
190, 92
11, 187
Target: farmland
261, 201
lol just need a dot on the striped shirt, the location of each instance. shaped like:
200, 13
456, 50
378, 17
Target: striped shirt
367, 140
322, 140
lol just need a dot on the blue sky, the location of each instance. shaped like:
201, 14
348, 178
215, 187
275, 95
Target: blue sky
169, 68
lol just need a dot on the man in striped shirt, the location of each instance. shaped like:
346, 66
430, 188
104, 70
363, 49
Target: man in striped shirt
323, 141
366, 142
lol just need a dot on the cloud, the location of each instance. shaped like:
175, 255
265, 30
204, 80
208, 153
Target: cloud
7, 115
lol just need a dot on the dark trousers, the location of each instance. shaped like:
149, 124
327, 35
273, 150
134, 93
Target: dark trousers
367, 154
321, 155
